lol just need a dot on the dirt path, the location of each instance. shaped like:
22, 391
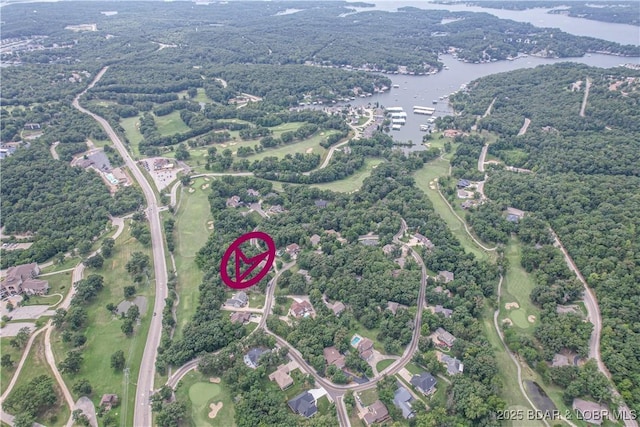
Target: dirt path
586, 95
486, 113
524, 127
54, 153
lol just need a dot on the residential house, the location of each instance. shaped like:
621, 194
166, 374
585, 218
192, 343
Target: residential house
22, 279
441, 290
305, 274
560, 360
393, 306
252, 358
513, 218
293, 250
338, 307
240, 317
275, 209
108, 401
464, 194
376, 413
252, 192
467, 204
301, 309
402, 400
445, 276
463, 183
281, 377
365, 348
424, 241
333, 357
515, 212
238, 300
388, 249
451, 133
453, 364
591, 412
233, 202
321, 203
444, 338
425, 383
303, 404
446, 312
315, 240
32, 126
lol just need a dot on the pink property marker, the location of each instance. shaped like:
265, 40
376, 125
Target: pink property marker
269, 255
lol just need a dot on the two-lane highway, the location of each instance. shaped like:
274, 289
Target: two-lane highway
142, 410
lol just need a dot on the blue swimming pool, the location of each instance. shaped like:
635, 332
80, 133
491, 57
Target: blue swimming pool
355, 340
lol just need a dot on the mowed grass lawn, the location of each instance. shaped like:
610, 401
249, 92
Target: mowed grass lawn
7, 373
131, 126
435, 169
354, 182
199, 393
36, 365
384, 364
59, 283
310, 145
170, 124
517, 287
104, 336
191, 234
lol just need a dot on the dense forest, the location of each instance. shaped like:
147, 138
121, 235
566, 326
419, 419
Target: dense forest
584, 184
58, 205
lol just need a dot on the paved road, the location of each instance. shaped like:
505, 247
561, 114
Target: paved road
524, 127
142, 410
483, 156
593, 315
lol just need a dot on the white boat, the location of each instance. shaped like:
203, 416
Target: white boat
395, 127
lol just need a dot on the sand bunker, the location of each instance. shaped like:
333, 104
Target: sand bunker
215, 380
210, 227
192, 190
309, 150
531, 318
511, 305
507, 322
204, 186
206, 179
215, 407
223, 145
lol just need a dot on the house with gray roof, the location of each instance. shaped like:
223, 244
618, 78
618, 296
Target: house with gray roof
454, 365
445, 276
444, 338
446, 312
402, 400
238, 300
303, 404
425, 383
252, 358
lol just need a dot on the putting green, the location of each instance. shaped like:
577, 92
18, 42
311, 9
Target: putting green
200, 395
519, 318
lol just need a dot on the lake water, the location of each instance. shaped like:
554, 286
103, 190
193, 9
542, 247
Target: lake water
422, 90
620, 33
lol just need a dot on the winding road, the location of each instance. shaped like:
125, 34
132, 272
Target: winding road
142, 410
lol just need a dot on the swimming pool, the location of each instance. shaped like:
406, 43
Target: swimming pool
355, 340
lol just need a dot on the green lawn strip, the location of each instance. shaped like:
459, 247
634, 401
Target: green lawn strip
16, 354
369, 396
191, 234
324, 407
198, 393
256, 300
69, 262
517, 287
302, 147
170, 124
510, 389
104, 336
383, 364
434, 169
353, 182
132, 132
36, 365
414, 369
354, 419
59, 283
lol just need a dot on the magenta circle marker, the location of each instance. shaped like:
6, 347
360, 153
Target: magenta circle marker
269, 255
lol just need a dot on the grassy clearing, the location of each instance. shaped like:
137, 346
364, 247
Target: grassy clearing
434, 169
7, 373
413, 368
369, 396
170, 124
383, 364
69, 262
302, 147
104, 335
199, 393
192, 233
59, 283
517, 287
354, 182
35, 365
132, 132
371, 334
